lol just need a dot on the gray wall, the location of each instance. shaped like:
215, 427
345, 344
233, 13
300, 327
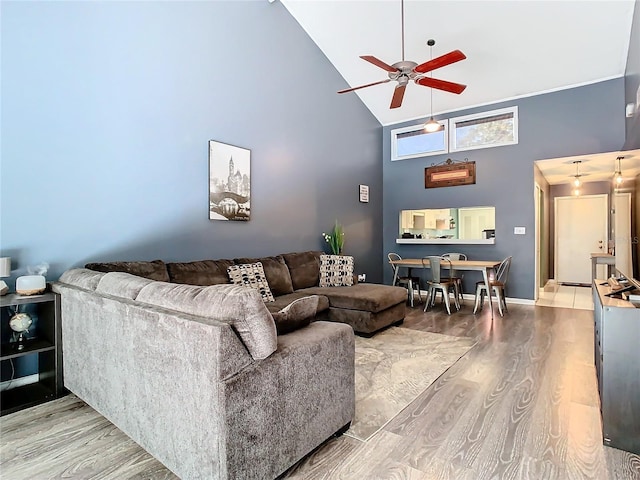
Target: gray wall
632, 81
107, 108
565, 123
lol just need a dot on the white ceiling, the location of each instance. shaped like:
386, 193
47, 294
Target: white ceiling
592, 168
514, 48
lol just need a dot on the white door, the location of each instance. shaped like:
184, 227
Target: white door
580, 230
622, 230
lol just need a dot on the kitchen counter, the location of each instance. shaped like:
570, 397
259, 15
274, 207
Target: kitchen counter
444, 241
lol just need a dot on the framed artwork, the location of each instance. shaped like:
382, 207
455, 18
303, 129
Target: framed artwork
364, 193
229, 182
451, 174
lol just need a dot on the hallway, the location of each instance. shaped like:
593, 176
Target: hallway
554, 295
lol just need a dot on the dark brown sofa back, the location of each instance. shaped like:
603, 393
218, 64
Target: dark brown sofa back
201, 272
304, 268
154, 270
285, 273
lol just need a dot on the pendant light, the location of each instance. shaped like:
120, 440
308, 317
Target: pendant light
432, 126
617, 178
576, 177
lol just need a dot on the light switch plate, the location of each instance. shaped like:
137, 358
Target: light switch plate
519, 230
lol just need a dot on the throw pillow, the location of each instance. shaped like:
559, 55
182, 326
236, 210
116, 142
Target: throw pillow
336, 270
297, 314
251, 275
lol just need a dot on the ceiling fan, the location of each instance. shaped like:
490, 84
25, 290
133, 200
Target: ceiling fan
406, 70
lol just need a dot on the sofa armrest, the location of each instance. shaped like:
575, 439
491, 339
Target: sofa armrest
294, 400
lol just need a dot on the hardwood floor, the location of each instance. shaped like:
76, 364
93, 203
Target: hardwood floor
521, 404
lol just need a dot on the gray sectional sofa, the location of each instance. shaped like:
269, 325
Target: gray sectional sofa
207, 377
198, 376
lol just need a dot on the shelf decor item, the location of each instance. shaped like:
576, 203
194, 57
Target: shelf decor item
5, 271
20, 323
31, 285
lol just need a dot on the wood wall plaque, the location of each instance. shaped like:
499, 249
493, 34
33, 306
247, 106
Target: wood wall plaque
450, 174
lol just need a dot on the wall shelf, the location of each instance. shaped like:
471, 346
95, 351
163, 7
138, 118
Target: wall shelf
444, 241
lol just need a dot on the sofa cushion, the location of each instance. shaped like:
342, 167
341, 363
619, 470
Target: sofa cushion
120, 284
154, 270
304, 268
336, 270
83, 278
283, 300
276, 271
251, 275
236, 305
296, 315
369, 297
202, 272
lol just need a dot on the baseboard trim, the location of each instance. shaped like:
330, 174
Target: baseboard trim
472, 297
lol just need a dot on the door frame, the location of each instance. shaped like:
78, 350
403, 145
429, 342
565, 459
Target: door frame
537, 192
555, 224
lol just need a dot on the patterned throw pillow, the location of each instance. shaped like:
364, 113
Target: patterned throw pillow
251, 275
336, 270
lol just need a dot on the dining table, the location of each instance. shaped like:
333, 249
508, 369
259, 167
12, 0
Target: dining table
484, 266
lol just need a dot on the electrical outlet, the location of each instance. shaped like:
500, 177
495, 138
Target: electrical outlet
362, 277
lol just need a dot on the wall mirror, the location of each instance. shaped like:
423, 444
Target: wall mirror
467, 223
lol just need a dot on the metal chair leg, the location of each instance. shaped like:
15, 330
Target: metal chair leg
410, 287
427, 300
455, 296
478, 294
445, 295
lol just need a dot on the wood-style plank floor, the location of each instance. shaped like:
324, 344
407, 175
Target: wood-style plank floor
521, 404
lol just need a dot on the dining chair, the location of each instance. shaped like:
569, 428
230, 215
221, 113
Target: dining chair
455, 275
497, 285
439, 283
409, 281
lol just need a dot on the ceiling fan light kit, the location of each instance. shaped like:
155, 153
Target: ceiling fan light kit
432, 126
406, 70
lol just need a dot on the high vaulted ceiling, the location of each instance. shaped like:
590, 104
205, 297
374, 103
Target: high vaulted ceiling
514, 48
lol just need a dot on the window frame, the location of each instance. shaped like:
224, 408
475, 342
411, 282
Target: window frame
414, 128
475, 116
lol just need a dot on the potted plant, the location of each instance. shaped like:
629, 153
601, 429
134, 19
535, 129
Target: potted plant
335, 239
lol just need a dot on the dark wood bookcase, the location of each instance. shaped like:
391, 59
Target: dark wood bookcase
44, 345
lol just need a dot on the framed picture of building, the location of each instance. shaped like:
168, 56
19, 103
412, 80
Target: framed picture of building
229, 182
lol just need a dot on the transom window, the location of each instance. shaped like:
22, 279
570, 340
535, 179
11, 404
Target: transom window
414, 141
480, 130
483, 130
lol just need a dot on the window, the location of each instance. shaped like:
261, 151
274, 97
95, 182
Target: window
484, 130
414, 141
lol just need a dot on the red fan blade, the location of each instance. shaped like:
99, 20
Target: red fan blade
379, 63
441, 84
364, 86
398, 95
444, 60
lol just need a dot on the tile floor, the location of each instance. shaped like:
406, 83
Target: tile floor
554, 295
